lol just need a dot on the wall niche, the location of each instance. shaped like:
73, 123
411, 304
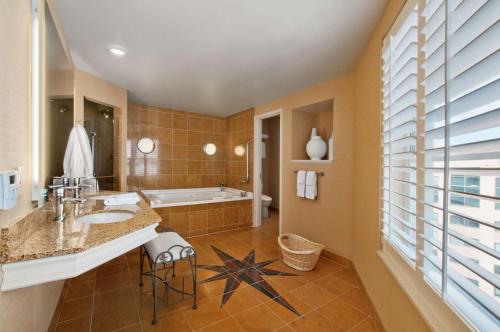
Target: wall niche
317, 115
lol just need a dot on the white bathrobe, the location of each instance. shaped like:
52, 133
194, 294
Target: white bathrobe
78, 161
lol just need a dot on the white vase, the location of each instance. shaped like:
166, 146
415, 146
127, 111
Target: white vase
316, 148
314, 132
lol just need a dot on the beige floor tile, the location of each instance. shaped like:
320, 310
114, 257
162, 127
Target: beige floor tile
115, 318
225, 325
284, 313
109, 270
109, 300
313, 322
334, 285
75, 291
341, 314
349, 276
76, 308
259, 318
81, 324
357, 298
113, 282
368, 325
241, 300
171, 322
313, 295
208, 312
131, 328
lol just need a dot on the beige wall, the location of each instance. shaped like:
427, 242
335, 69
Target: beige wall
28, 309
393, 306
328, 219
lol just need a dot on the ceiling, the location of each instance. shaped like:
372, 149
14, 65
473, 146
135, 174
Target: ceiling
218, 56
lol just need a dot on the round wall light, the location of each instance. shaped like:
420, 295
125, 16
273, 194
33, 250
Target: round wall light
209, 149
239, 150
146, 145
117, 50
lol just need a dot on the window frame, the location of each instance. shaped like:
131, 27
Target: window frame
438, 312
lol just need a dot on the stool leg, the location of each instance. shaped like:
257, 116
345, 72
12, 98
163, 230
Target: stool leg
154, 294
142, 266
193, 273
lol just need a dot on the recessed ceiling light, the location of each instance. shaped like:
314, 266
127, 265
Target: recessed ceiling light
117, 50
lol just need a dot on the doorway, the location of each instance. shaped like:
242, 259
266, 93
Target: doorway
268, 150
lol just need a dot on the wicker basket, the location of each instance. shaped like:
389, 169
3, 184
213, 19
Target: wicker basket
299, 253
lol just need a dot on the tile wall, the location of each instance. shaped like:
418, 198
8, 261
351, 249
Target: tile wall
203, 219
179, 162
239, 131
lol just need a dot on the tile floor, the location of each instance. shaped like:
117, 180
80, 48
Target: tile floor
329, 298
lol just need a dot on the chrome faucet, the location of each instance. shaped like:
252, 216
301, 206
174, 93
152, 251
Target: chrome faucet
61, 199
221, 185
59, 194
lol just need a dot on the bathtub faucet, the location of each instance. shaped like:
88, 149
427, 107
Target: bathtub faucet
221, 185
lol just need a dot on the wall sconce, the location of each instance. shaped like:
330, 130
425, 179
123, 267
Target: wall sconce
239, 150
210, 149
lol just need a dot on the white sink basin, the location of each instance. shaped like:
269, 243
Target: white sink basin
106, 217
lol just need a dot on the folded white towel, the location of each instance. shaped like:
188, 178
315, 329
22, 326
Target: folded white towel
122, 199
311, 185
301, 183
78, 161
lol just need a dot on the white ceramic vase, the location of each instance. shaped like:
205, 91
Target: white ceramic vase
316, 148
314, 132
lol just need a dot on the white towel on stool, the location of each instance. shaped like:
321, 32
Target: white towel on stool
301, 183
311, 185
122, 199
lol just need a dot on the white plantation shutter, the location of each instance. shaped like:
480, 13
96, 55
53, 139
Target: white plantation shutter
434, 100
473, 77
452, 175
399, 90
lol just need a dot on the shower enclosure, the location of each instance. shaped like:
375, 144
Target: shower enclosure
59, 121
100, 123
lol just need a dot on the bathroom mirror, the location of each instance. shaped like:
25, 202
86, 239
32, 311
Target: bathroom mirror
210, 149
146, 145
53, 115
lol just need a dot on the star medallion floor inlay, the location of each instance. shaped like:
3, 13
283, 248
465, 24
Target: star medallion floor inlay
247, 270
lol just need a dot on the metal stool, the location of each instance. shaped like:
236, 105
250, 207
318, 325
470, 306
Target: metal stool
165, 250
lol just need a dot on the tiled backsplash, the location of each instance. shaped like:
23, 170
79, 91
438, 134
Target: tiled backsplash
178, 160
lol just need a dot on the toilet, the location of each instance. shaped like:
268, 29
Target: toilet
265, 204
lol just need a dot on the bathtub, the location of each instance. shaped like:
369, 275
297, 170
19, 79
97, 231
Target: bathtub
193, 196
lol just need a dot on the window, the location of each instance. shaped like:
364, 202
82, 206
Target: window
464, 184
399, 137
497, 272
456, 163
497, 192
456, 220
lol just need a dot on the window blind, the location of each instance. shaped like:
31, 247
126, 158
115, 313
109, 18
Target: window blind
451, 176
399, 89
473, 122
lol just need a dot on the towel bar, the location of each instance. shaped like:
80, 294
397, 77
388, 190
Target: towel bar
317, 173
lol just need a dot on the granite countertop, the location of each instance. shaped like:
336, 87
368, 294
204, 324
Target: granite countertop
38, 235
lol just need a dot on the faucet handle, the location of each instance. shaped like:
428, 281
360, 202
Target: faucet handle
59, 191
